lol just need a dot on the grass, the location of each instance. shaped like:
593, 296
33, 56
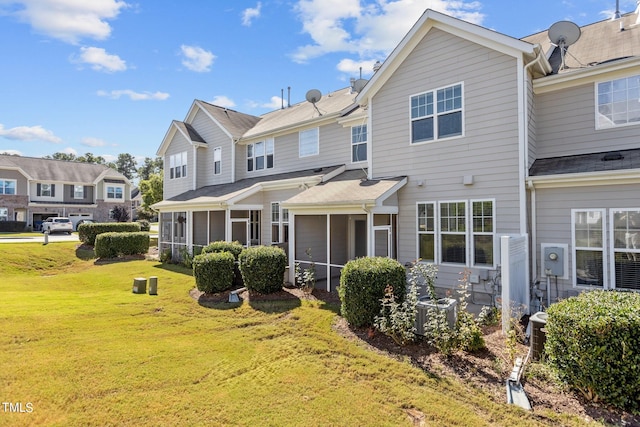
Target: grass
83, 350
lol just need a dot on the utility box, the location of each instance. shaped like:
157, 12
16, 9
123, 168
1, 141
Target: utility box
553, 261
153, 285
449, 305
538, 334
140, 285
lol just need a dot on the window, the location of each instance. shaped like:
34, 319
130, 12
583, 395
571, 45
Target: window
114, 192
482, 232
217, 161
178, 165
359, 143
588, 244
4, 214
618, 102
279, 223
426, 232
78, 191
309, 143
46, 190
447, 234
260, 155
626, 248
7, 186
436, 114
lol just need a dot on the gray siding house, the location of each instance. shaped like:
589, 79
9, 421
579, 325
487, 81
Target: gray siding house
34, 189
462, 136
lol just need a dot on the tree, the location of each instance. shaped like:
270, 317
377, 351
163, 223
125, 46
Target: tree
149, 167
69, 157
120, 214
126, 165
151, 190
90, 158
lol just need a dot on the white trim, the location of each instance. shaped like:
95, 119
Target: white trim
435, 115
627, 176
612, 249
217, 150
15, 186
472, 233
596, 112
435, 230
575, 248
439, 261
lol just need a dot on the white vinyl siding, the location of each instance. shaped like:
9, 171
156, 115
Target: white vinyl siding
618, 102
309, 143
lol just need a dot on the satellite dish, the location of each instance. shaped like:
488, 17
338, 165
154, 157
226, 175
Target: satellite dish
564, 33
359, 84
313, 96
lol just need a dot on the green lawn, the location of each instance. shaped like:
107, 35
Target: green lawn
82, 350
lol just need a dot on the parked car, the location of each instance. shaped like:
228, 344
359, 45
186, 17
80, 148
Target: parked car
84, 221
57, 225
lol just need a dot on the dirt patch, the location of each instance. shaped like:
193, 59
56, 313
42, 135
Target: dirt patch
287, 293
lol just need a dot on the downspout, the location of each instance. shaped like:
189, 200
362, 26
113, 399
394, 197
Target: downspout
534, 230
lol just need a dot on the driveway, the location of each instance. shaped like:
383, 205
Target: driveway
39, 238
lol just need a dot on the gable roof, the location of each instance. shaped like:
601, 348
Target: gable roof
40, 169
234, 122
599, 43
189, 132
329, 106
472, 32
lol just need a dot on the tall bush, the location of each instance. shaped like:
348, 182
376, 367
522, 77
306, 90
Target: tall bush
262, 268
235, 248
362, 287
213, 271
87, 232
593, 341
111, 245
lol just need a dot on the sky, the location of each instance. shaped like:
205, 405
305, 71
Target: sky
109, 76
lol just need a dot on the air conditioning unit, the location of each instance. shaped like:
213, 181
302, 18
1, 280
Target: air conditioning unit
538, 334
449, 305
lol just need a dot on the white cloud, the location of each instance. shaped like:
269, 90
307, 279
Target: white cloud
29, 133
11, 152
93, 142
275, 103
196, 58
109, 157
249, 14
100, 60
223, 101
68, 20
134, 96
351, 67
371, 29
70, 150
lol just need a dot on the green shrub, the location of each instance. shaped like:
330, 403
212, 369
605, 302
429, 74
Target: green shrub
213, 271
111, 245
593, 341
144, 225
12, 226
362, 287
87, 232
262, 268
222, 246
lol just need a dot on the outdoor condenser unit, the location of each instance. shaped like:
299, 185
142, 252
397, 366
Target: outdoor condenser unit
538, 334
449, 305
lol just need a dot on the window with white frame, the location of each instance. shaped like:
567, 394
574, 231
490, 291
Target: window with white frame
178, 165
217, 160
7, 186
78, 191
618, 102
46, 190
279, 223
260, 155
626, 247
115, 192
588, 247
358, 143
427, 232
436, 114
483, 232
309, 143
4, 214
448, 234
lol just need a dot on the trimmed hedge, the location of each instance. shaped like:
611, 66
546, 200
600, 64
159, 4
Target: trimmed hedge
593, 341
12, 226
362, 285
87, 232
213, 271
262, 268
112, 245
222, 246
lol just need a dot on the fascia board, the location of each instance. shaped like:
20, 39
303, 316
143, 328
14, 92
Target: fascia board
384, 196
204, 110
585, 179
19, 170
168, 137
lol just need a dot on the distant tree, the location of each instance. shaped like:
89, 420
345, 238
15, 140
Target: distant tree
126, 165
90, 158
151, 190
120, 214
149, 167
70, 157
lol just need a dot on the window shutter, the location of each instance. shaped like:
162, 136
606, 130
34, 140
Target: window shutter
71, 191
84, 191
53, 190
39, 190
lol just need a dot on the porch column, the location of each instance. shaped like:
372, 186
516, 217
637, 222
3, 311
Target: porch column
227, 224
292, 247
328, 253
190, 231
370, 248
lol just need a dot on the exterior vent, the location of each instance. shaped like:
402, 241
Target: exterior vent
614, 155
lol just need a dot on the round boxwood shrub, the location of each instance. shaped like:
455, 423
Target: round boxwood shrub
112, 245
213, 271
362, 285
593, 341
262, 268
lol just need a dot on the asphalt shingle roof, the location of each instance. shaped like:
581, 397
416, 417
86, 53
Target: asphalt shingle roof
586, 163
234, 122
58, 170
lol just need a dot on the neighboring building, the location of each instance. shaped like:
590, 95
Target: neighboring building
136, 202
34, 189
463, 135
